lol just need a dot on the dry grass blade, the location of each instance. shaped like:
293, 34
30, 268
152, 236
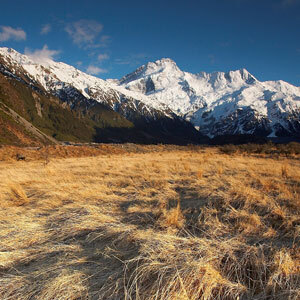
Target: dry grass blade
148, 223
18, 195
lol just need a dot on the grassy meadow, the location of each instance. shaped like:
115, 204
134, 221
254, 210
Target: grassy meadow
148, 222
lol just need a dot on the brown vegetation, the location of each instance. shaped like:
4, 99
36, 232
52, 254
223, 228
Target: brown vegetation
268, 149
148, 222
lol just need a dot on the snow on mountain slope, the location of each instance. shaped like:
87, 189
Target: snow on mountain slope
51, 74
66, 81
90, 97
217, 103
220, 103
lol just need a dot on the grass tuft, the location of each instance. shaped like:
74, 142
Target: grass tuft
144, 222
18, 195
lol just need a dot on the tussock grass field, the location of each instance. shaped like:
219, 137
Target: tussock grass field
164, 223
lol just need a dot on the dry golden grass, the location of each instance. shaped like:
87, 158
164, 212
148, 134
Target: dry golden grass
18, 195
149, 222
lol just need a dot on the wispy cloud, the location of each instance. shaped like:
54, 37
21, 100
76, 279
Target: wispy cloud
100, 42
46, 29
94, 70
102, 57
104, 41
9, 33
84, 32
41, 55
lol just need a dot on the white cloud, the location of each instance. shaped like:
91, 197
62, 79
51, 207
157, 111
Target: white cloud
84, 32
46, 29
102, 42
41, 55
9, 33
94, 70
102, 57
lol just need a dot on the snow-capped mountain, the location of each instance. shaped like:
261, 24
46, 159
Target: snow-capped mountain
78, 89
220, 103
215, 103
66, 81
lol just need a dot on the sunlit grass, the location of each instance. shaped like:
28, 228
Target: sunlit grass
149, 224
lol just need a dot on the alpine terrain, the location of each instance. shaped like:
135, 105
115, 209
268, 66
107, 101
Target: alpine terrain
71, 105
220, 103
156, 103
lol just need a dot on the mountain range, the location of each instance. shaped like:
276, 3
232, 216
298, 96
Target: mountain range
157, 103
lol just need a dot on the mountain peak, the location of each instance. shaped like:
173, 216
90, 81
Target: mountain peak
8, 50
247, 76
166, 61
35, 58
244, 71
162, 64
14, 56
208, 100
166, 65
241, 75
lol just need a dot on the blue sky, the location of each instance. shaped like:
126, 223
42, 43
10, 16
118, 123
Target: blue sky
112, 38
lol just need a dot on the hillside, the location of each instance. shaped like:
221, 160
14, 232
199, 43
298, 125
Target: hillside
71, 105
50, 115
